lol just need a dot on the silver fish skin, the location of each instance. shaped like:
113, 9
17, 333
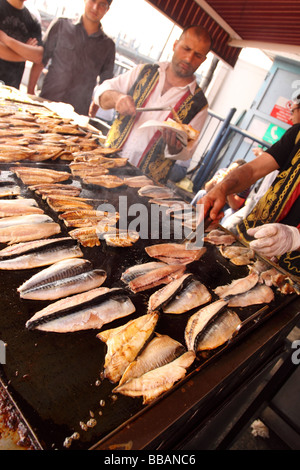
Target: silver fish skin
87, 310
62, 279
199, 321
180, 295
157, 381
220, 331
38, 253
163, 296
193, 295
160, 351
140, 269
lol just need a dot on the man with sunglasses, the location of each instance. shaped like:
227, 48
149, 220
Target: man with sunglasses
78, 54
295, 111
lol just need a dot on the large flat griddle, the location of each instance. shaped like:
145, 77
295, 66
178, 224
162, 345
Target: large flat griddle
55, 379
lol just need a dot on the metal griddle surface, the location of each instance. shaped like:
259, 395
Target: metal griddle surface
55, 379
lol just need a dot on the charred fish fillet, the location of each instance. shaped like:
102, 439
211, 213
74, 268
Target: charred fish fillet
124, 344
87, 310
159, 380
62, 279
38, 253
86, 236
174, 253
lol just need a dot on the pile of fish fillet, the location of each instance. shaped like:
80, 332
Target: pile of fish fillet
139, 361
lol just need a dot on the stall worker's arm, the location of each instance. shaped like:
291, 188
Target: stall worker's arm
236, 181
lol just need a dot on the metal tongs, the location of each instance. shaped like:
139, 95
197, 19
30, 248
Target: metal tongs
165, 108
200, 230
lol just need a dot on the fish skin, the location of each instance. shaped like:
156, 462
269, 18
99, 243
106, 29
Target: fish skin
124, 343
156, 277
62, 279
159, 299
38, 253
87, 310
157, 381
199, 320
238, 286
174, 253
161, 350
220, 331
191, 296
139, 269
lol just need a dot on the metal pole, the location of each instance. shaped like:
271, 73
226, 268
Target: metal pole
211, 156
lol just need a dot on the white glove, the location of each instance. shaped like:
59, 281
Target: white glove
274, 239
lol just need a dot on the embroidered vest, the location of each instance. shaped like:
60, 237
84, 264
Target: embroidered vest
152, 162
274, 205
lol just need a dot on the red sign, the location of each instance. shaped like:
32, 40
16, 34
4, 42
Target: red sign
282, 110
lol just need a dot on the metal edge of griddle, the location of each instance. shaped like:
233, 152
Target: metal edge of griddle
33, 437
195, 370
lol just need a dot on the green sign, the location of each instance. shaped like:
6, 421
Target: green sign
273, 133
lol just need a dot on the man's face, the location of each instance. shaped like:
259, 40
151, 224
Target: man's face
189, 53
295, 113
95, 9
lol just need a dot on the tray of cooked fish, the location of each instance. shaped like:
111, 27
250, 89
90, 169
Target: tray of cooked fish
100, 318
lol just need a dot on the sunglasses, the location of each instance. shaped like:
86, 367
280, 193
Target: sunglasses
292, 110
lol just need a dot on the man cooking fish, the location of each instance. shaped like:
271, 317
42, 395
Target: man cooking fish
162, 85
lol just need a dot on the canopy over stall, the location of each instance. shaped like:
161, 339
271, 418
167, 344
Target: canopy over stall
270, 25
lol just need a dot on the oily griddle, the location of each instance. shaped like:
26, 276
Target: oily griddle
55, 379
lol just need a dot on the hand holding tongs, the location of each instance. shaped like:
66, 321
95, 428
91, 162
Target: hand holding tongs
200, 230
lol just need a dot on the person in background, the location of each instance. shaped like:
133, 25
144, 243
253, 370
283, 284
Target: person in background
162, 85
234, 201
78, 53
20, 40
272, 227
257, 192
